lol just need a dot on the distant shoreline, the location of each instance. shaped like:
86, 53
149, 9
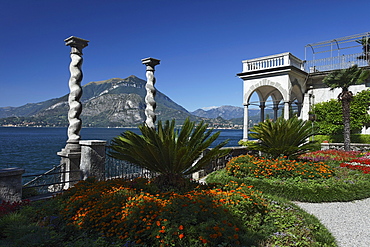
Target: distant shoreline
6, 126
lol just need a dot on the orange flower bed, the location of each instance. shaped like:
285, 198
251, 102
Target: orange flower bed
259, 167
123, 209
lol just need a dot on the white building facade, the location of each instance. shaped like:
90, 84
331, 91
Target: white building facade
290, 82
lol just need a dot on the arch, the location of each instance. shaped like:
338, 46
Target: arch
263, 89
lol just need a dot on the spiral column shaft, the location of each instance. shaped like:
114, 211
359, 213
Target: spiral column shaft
75, 106
150, 91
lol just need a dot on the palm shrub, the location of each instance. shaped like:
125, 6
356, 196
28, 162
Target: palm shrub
344, 79
172, 153
283, 137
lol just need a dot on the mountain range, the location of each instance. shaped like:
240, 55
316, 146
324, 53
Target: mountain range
114, 103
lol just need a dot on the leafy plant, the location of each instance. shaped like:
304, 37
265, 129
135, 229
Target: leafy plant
169, 152
329, 115
8, 207
283, 137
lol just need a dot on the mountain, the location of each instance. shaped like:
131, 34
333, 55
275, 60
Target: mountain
234, 114
111, 103
226, 112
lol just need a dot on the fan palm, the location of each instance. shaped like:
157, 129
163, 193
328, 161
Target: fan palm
344, 79
283, 137
170, 152
365, 42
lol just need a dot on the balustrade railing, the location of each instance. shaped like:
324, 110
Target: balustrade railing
115, 168
311, 66
334, 63
50, 182
274, 61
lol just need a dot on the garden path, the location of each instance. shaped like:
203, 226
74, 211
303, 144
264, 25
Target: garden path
349, 222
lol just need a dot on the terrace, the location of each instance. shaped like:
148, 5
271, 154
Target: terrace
323, 56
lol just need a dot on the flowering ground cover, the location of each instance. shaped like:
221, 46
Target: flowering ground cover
134, 213
361, 163
316, 177
260, 167
354, 160
331, 154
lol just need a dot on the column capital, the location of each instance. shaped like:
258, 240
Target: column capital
150, 63
76, 44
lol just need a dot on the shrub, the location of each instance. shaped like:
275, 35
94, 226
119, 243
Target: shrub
8, 207
283, 137
355, 138
169, 152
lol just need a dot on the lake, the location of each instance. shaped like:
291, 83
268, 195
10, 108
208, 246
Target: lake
35, 149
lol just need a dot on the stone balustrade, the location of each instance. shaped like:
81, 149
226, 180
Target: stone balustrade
273, 61
363, 147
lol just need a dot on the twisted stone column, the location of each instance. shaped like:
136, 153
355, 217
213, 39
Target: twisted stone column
150, 91
75, 106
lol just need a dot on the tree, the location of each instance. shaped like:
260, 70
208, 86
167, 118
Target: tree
344, 79
329, 115
169, 152
365, 42
283, 137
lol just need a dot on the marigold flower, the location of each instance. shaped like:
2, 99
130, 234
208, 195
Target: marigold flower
181, 236
181, 227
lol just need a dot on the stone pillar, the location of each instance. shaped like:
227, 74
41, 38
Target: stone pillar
93, 159
262, 111
299, 108
71, 154
150, 91
75, 106
286, 109
276, 110
246, 122
71, 167
11, 184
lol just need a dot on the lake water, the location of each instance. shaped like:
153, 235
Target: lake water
35, 149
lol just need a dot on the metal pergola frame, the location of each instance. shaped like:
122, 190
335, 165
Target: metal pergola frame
338, 44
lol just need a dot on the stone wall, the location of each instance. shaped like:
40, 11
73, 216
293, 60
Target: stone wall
11, 184
340, 146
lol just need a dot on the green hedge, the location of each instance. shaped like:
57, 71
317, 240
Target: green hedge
355, 138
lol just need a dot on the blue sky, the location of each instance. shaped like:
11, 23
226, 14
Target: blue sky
201, 43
